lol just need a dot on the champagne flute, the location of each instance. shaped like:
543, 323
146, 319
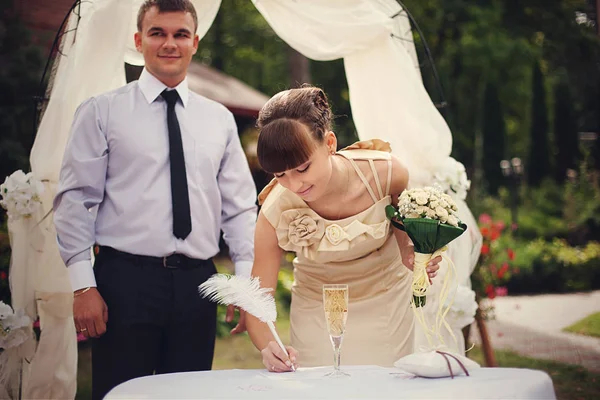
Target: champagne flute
335, 304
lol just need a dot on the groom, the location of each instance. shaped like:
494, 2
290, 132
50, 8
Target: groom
166, 170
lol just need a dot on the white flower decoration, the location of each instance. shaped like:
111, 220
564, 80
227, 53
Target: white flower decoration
21, 194
464, 306
335, 234
452, 177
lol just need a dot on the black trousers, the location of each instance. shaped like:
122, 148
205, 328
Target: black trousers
157, 321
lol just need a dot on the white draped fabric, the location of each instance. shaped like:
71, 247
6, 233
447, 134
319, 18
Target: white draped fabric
386, 93
387, 96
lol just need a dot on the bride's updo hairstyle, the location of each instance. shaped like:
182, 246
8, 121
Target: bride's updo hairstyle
292, 125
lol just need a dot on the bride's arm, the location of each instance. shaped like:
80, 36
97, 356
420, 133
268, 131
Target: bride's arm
267, 260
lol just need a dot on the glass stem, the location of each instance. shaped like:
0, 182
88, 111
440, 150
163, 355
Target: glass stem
336, 359
337, 344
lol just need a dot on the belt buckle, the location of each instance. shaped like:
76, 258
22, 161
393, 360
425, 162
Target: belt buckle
166, 262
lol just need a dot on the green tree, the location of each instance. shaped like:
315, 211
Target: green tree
565, 131
494, 138
20, 72
20, 67
538, 166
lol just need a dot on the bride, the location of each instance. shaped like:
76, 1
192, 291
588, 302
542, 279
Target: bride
329, 208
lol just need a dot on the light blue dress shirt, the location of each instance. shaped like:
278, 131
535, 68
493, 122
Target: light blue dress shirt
117, 159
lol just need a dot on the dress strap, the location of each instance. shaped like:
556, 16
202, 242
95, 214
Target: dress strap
363, 179
389, 177
376, 176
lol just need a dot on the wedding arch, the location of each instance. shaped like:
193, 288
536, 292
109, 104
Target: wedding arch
387, 97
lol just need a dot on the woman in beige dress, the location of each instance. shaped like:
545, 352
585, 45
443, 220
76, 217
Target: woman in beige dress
329, 208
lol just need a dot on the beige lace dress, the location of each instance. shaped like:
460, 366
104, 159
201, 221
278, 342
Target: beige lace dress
360, 251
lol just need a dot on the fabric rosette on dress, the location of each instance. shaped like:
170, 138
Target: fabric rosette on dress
303, 231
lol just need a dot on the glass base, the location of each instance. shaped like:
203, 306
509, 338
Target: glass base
336, 373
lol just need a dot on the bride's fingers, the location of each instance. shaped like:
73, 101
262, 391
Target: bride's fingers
281, 356
274, 364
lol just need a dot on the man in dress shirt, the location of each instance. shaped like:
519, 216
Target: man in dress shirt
141, 298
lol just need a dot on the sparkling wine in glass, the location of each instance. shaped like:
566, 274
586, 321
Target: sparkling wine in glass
335, 304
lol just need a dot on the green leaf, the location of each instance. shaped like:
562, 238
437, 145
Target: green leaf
391, 212
429, 235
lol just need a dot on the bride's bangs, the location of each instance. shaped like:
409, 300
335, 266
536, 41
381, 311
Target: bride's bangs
284, 144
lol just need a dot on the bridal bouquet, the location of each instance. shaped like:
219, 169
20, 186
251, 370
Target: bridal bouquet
21, 194
428, 216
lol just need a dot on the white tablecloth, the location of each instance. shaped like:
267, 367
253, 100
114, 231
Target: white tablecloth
365, 382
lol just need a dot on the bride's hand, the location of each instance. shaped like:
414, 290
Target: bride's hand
408, 259
275, 360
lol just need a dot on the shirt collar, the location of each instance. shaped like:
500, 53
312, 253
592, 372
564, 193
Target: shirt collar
151, 87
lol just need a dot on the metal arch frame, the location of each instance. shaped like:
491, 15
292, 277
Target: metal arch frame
41, 97
429, 58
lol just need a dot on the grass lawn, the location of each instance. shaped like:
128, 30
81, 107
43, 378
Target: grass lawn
570, 382
589, 326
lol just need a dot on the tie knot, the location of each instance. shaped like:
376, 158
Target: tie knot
170, 96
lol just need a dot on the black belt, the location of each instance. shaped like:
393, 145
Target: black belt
171, 261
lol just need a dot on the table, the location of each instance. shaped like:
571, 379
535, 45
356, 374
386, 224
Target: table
365, 382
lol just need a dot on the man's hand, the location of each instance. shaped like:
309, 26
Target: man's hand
241, 325
90, 313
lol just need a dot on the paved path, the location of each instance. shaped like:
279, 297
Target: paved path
532, 326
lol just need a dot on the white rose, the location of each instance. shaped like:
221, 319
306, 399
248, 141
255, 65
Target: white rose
5, 310
442, 214
422, 210
422, 199
452, 220
464, 306
412, 214
431, 213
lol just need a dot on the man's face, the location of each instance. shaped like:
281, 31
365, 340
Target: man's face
168, 42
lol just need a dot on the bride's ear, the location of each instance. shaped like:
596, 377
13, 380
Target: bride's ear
331, 141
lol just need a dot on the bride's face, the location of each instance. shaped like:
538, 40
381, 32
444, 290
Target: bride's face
311, 179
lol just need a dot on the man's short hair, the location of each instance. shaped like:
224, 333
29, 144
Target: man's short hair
167, 6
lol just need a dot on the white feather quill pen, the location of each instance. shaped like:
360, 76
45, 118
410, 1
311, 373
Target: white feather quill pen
246, 294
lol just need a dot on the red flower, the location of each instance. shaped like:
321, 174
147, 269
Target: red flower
511, 254
490, 291
495, 235
485, 232
500, 225
485, 249
501, 291
3, 275
503, 270
485, 219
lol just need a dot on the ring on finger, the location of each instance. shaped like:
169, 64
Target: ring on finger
83, 330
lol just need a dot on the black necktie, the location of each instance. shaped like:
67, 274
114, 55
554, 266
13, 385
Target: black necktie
182, 221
